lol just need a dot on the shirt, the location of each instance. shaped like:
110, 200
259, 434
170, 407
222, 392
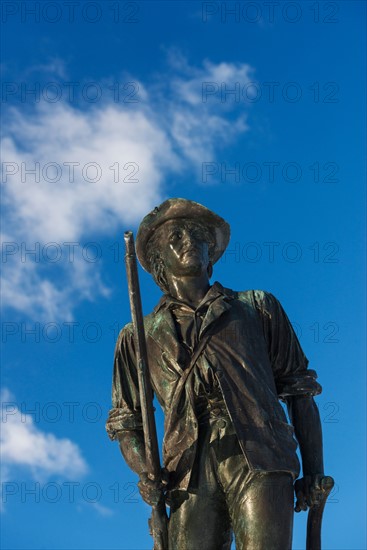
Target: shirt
256, 359
188, 323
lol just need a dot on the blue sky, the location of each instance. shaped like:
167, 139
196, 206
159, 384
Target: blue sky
256, 111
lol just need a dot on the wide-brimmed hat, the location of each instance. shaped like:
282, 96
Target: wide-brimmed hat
173, 209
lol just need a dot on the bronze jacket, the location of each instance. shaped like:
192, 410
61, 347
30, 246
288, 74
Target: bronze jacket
256, 358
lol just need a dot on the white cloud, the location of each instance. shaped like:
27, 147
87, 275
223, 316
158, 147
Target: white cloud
47, 293
55, 66
101, 510
67, 209
192, 86
24, 444
196, 135
171, 130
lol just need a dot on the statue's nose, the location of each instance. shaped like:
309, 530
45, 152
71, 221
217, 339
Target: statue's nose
187, 237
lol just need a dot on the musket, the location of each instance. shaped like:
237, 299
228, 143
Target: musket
314, 519
158, 521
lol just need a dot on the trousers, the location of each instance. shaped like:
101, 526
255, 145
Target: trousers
224, 499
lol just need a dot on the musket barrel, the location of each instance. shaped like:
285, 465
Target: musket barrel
158, 522
145, 389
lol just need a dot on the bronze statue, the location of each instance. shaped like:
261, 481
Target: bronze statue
219, 361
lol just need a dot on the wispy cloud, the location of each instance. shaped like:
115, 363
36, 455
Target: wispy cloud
54, 66
98, 168
101, 510
190, 82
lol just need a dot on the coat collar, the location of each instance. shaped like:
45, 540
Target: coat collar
162, 327
214, 292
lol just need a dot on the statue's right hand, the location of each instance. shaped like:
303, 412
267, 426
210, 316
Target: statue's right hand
151, 491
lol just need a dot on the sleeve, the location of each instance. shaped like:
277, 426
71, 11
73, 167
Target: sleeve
289, 363
126, 411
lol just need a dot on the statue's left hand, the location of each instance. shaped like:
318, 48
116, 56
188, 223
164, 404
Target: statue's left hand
308, 491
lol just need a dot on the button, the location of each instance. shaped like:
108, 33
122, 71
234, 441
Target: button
222, 423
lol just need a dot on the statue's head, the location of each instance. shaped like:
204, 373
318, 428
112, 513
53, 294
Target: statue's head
180, 237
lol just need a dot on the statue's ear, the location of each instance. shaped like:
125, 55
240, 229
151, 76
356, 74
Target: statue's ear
161, 275
210, 270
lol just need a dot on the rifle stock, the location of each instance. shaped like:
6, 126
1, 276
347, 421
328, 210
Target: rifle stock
158, 521
314, 519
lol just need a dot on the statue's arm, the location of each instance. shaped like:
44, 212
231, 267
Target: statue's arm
133, 449
296, 385
124, 423
305, 417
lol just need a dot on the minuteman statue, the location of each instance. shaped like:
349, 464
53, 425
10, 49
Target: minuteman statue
229, 453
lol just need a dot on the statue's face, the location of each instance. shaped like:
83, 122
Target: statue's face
184, 248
